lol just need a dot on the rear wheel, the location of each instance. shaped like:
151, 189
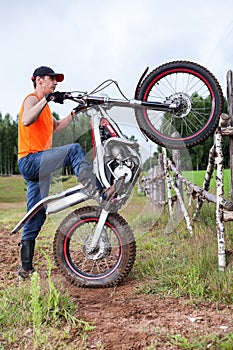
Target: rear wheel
111, 261
200, 104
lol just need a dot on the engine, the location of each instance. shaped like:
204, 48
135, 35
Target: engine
122, 158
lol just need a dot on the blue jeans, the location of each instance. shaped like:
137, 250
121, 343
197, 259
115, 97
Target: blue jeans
36, 169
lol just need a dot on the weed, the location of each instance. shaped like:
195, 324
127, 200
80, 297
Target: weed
36, 310
174, 264
181, 265
199, 341
210, 341
40, 308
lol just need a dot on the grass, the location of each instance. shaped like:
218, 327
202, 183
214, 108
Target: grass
12, 189
197, 177
180, 265
173, 264
39, 313
210, 341
197, 342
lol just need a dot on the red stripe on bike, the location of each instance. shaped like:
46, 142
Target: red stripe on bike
179, 70
66, 255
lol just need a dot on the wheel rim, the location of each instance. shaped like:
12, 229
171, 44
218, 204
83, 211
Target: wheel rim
98, 264
197, 107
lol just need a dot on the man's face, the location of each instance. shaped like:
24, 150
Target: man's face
48, 83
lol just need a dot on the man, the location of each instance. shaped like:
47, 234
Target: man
37, 159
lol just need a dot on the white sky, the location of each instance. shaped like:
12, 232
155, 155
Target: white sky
90, 41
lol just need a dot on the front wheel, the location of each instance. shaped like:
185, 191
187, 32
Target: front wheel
199, 98
111, 261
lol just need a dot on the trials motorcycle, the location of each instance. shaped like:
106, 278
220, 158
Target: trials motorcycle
176, 105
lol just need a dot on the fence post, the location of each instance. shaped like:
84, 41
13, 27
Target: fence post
230, 113
177, 161
219, 201
168, 181
161, 180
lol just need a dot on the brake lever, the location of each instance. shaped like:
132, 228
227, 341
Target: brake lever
79, 108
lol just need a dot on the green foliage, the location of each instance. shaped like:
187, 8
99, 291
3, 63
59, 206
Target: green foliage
181, 265
36, 307
200, 342
75, 132
174, 264
151, 162
12, 189
200, 154
8, 145
56, 116
211, 341
36, 310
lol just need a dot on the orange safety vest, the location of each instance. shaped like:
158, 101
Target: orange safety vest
37, 136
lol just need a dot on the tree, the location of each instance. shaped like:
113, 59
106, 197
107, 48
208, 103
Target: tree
151, 162
8, 145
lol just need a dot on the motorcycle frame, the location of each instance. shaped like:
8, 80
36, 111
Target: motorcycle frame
76, 195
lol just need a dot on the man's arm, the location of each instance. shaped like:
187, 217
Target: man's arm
32, 109
60, 125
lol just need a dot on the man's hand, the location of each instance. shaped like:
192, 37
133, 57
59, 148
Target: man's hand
82, 105
57, 97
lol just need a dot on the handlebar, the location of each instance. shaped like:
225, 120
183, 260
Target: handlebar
84, 101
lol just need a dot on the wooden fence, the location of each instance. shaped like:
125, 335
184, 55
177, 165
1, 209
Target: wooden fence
166, 178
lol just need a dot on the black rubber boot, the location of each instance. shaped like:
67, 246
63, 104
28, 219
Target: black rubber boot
26, 256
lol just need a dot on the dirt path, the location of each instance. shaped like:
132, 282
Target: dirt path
125, 319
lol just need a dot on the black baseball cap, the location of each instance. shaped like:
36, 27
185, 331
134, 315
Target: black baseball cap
43, 70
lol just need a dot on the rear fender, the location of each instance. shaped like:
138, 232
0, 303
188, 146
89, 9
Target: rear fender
55, 203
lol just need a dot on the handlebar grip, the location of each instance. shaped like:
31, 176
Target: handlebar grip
67, 95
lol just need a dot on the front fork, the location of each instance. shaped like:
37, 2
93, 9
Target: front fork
99, 228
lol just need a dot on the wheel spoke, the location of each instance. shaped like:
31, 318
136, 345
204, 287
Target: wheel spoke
192, 89
102, 259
